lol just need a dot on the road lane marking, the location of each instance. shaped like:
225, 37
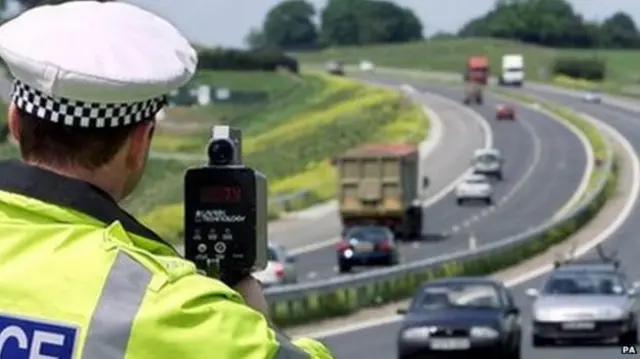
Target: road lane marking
607, 232
488, 143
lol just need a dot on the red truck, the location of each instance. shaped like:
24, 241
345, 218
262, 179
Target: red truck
476, 75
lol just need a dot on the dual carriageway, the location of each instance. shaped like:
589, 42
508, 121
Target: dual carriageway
546, 163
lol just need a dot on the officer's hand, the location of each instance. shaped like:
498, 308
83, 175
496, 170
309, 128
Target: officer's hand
251, 290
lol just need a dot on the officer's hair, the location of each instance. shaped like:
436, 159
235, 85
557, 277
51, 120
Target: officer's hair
58, 145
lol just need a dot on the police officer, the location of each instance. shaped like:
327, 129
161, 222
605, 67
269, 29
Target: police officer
79, 276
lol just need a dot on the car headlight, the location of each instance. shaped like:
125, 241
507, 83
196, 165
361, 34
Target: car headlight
542, 315
419, 333
611, 313
484, 332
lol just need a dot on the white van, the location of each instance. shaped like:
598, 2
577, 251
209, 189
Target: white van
512, 70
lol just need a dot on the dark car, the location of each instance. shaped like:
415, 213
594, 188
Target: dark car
367, 246
460, 317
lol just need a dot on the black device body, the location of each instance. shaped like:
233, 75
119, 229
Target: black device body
220, 217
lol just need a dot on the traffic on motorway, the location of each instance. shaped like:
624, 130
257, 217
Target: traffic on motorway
524, 158
589, 304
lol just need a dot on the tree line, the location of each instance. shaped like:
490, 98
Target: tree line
553, 23
297, 24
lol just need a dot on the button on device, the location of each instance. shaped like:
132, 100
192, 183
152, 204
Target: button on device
202, 247
220, 247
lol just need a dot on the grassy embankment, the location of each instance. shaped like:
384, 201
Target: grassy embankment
623, 74
290, 138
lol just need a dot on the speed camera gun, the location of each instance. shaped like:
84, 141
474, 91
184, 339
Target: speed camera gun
225, 209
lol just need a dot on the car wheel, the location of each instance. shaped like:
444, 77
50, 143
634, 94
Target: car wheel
488, 201
460, 201
515, 354
499, 176
537, 342
344, 268
629, 338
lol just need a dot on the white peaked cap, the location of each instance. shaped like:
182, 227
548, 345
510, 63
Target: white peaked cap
92, 64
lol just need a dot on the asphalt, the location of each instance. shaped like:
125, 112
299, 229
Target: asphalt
544, 166
450, 157
349, 345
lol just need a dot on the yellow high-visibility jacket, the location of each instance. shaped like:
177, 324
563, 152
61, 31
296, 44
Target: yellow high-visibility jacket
80, 278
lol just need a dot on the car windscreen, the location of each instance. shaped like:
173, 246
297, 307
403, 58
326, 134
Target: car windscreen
584, 282
464, 295
368, 234
488, 158
477, 180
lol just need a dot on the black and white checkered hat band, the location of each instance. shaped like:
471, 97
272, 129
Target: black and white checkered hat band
83, 114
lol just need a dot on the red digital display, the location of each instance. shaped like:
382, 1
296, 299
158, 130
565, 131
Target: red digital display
221, 194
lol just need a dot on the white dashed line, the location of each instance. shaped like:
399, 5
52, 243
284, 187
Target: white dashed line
312, 275
455, 229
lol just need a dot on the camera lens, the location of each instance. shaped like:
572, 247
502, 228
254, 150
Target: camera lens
221, 152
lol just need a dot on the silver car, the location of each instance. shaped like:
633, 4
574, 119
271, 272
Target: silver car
585, 302
280, 268
488, 162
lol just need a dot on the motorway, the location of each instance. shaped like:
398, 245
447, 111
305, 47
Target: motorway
451, 157
544, 166
624, 240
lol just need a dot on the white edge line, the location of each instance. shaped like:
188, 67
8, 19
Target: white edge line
488, 143
601, 237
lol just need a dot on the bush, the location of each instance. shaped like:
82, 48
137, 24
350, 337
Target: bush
230, 59
592, 69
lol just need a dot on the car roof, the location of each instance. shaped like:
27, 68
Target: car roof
462, 280
486, 151
574, 267
476, 176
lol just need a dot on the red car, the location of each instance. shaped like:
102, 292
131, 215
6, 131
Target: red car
505, 112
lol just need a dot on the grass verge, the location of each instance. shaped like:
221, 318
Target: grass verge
318, 305
450, 55
294, 151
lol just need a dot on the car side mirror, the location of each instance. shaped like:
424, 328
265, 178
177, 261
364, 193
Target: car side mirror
401, 311
532, 293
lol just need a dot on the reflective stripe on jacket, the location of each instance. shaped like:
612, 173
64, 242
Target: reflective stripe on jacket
74, 262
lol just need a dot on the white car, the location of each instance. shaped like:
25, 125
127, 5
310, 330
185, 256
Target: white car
488, 162
280, 267
592, 97
474, 188
367, 66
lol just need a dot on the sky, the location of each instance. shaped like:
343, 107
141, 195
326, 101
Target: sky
226, 22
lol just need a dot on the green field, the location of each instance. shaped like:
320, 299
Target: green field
450, 55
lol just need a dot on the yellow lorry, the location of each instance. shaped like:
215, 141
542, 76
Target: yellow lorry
380, 185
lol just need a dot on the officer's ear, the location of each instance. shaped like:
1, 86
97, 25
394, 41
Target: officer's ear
140, 143
14, 122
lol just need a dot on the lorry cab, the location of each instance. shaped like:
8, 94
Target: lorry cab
489, 162
512, 73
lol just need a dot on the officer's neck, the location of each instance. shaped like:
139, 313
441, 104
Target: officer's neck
104, 178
